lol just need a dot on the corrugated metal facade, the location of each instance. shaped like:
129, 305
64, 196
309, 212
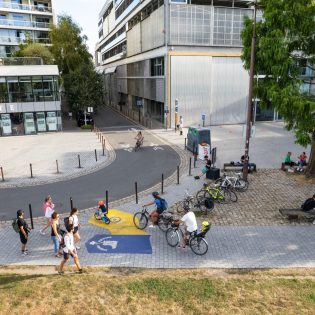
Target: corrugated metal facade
214, 86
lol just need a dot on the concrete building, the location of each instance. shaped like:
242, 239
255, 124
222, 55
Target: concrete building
23, 19
29, 97
159, 56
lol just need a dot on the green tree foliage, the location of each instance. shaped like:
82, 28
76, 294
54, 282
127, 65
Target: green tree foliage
285, 41
31, 49
82, 84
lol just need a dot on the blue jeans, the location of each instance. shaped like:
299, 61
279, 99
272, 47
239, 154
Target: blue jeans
56, 243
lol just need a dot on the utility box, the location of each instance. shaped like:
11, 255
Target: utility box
196, 136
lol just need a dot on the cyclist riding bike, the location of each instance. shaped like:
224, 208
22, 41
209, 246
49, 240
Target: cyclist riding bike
139, 137
190, 224
161, 206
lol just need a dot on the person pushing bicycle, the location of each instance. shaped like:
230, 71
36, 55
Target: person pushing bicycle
161, 206
139, 137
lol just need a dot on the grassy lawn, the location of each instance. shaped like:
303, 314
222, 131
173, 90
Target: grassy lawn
134, 291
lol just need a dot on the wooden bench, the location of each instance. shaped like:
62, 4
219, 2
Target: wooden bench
238, 166
285, 167
295, 214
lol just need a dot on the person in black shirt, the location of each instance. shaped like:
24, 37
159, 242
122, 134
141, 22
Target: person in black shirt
206, 168
309, 205
23, 231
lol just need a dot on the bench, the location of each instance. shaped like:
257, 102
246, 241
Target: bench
285, 167
294, 214
238, 166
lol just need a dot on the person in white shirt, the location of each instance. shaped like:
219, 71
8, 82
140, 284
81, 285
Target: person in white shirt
73, 219
69, 250
49, 210
190, 223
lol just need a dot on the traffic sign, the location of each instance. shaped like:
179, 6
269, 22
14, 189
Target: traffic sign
90, 110
203, 116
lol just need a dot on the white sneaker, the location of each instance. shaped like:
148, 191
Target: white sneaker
151, 226
24, 253
42, 233
78, 247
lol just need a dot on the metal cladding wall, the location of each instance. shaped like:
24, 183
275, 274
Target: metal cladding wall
214, 86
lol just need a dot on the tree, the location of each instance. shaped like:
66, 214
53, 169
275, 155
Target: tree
31, 49
82, 84
285, 43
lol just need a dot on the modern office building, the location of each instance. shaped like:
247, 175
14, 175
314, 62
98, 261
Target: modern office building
29, 97
23, 19
163, 56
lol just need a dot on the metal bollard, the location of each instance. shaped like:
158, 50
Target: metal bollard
178, 175
103, 149
195, 162
31, 168
79, 160
136, 190
190, 166
106, 201
71, 203
2, 174
31, 216
57, 166
162, 184
185, 143
95, 155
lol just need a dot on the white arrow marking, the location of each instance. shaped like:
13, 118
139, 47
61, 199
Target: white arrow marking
157, 148
129, 149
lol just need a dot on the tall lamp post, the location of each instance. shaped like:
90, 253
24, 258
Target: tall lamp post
250, 95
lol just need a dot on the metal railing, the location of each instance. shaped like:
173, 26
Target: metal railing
20, 61
18, 40
24, 23
25, 7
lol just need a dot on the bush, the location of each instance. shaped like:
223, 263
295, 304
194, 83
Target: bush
86, 127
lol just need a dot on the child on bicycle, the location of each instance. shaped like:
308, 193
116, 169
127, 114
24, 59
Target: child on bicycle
102, 212
139, 137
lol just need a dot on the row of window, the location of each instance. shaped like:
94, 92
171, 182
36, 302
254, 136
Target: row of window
145, 12
124, 5
113, 37
29, 89
157, 66
115, 51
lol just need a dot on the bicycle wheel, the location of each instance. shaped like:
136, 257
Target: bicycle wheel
241, 184
183, 204
223, 196
198, 245
140, 220
163, 224
201, 194
234, 197
172, 237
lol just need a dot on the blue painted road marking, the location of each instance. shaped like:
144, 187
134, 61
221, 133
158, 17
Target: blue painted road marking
127, 244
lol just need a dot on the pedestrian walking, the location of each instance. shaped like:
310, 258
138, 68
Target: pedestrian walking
56, 234
48, 211
73, 219
23, 231
69, 250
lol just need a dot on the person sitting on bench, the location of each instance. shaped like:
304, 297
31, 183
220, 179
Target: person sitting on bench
206, 168
249, 165
302, 161
309, 205
288, 161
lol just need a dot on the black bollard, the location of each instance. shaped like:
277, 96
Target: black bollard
178, 175
95, 155
106, 201
57, 166
136, 190
195, 162
31, 168
190, 166
71, 203
162, 184
185, 143
2, 174
79, 160
31, 216
103, 149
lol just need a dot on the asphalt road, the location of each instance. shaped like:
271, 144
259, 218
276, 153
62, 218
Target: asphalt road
145, 166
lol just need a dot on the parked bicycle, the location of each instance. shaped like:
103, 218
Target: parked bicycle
202, 204
196, 241
217, 193
141, 219
235, 182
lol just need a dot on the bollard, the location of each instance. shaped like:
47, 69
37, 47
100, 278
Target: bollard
57, 166
136, 190
162, 186
106, 201
185, 143
31, 168
178, 175
2, 174
31, 216
190, 166
95, 155
101, 138
79, 160
103, 149
71, 203
194, 162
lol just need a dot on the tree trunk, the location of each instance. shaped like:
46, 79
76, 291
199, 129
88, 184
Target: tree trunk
310, 170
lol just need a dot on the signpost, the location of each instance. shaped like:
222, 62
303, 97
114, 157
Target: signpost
203, 118
176, 114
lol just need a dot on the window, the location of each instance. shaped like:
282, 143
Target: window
115, 51
157, 67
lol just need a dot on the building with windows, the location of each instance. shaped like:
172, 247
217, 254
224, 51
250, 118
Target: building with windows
29, 97
171, 58
23, 19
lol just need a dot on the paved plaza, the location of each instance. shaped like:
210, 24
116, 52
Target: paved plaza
247, 234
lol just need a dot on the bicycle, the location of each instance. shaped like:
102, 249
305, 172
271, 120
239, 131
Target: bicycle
236, 183
141, 219
196, 203
138, 145
196, 241
217, 193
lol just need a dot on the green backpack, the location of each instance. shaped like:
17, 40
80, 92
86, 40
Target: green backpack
15, 225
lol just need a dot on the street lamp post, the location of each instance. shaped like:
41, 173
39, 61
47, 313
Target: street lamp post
250, 96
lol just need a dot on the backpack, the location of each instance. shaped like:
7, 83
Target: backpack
164, 204
15, 225
307, 205
66, 222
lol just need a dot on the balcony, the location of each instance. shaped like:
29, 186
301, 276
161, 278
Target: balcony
5, 40
25, 7
20, 23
